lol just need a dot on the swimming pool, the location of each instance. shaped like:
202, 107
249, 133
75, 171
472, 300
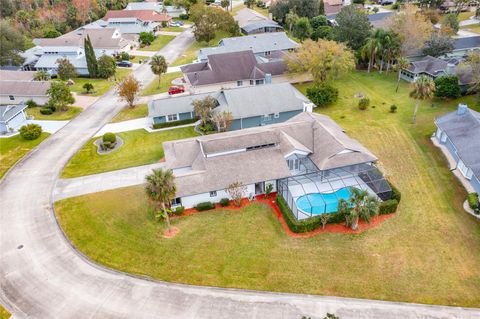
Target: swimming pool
322, 203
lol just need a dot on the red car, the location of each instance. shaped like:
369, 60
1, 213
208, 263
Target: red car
175, 90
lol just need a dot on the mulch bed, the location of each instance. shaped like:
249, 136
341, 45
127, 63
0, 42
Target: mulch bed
329, 228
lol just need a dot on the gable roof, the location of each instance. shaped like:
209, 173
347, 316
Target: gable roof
327, 143
463, 130
430, 65
144, 15
233, 66
24, 88
7, 112
258, 43
247, 16
7, 75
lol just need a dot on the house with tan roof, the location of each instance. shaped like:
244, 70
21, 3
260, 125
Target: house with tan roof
143, 15
308, 154
17, 87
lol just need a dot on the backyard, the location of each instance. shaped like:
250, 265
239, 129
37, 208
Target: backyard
14, 148
428, 253
55, 116
165, 83
159, 42
100, 86
140, 148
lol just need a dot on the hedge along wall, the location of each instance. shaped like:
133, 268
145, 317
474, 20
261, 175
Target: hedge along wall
310, 224
174, 123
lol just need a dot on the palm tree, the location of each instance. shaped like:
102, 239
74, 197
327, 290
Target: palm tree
423, 88
41, 76
390, 46
159, 65
160, 188
402, 63
359, 205
371, 48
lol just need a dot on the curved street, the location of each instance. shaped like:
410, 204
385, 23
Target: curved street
43, 276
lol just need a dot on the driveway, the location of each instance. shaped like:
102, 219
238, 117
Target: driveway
43, 276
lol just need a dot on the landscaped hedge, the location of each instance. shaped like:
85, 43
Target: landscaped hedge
205, 206
388, 207
178, 210
395, 193
224, 202
174, 123
472, 199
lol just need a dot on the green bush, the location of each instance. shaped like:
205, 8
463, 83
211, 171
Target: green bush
472, 199
363, 103
183, 16
125, 56
174, 123
178, 210
447, 87
388, 207
224, 202
208, 127
46, 111
393, 108
323, 94
31, 103
205, 206
395, 193
109, 137
30, 131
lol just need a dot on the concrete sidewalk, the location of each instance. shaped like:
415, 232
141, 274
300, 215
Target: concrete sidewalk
49, 126
71, 187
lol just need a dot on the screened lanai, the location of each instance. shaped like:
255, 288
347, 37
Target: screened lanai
319, 192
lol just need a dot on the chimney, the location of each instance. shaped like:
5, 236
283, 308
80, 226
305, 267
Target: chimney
462, 109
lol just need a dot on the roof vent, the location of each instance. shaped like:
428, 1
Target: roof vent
462, 109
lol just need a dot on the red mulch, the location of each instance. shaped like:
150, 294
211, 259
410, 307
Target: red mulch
171, 233
329, 228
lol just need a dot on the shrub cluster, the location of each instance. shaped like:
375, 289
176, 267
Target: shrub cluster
31, 103
323, 94
224, 202
174, 123
387, 207
178, 210
30, 131
208, 127
393, 108
205, 206
472, 199
48, 109
109, 140
363, 103
447, 87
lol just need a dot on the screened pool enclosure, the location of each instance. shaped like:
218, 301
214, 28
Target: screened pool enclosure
313, 192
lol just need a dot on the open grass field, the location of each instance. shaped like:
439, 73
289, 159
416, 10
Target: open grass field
100, 86
56, 116
429, 252
139, 148
190, 54
165, 83
127, 113
159, 42
14, 148
4, 314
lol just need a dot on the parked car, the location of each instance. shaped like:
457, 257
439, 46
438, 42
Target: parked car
175, 90
125, 64
176, 23
386, 2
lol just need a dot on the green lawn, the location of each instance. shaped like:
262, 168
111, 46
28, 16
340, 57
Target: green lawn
173, 29
140, 148
100, 86
165, 83
14, 148
159, 42
465, 15
56, 116
127, 113
472, 28
428, 253
137, 58
4, 314
190, 54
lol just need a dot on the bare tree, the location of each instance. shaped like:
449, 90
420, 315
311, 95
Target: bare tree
237, 190
203, 108
222, 120
128, 90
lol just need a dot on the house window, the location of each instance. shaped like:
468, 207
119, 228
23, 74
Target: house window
259, 82
176, 202
276, 115
267, 117
213, 194
239, 83
11, 97
252, 82
294, 164
172, 117
267, 53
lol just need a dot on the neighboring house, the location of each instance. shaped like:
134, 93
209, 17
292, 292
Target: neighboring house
12, 117
252, 22
125, 25
250, 106
434, 68
16, 89
459, 132
261, 45
159, 7
229, 70
307, 154
8, 75
377, 20
143, 15
461, 48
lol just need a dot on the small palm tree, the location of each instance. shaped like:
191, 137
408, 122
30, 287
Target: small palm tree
359, 205
371, 48
160, 188
402, 63
159, 65
423, 88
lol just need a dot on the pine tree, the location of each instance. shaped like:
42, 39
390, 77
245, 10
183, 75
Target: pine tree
321, 8
92, 64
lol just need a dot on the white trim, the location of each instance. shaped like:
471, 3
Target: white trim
226, 153
296, 152
176, 114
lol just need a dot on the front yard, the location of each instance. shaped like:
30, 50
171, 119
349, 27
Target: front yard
159, 42
165, 83
55, 116
140, 148
100, 86
428, 252
14, 148
127, 113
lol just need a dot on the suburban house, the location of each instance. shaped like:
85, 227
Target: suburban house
261, 45
307, 154
16, 87
461, 48
377, 20
109, 41
250, 106
172, 11
12, 117
128, 25
143, 15
235, 69
435, 67
252, 22
459, 133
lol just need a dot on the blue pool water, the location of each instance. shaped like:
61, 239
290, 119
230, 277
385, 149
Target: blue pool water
321, 203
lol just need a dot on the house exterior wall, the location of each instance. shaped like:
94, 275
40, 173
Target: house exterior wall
14, 123
475, 181
181, 116
3, 128
229, 85
17, 99
260, 120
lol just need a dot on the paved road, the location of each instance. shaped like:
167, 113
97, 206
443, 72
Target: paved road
43, 276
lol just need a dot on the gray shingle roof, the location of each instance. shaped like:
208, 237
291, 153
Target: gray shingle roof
247, 16
24, 88
331, 148
101, 38
430, 65
7, 75
233, 66
9, 111
258, 43
464, 132
260, 24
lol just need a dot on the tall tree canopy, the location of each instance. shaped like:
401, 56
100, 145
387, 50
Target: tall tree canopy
12, 43
353, 27
92, 63
438, 45
303, 8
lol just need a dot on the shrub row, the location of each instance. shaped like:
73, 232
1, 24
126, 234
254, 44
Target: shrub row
395, 193
388, 207
224, 202
205, 206
174, 123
